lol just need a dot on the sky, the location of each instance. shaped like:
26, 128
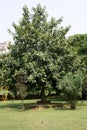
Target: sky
74, 13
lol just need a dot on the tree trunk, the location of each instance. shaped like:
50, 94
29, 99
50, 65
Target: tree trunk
73, 106
43, 97
23, 104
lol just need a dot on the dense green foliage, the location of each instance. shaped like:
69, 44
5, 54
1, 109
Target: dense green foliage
79, 42
41, 54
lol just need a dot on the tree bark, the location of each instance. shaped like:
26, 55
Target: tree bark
43, 97
73, 105
23, 104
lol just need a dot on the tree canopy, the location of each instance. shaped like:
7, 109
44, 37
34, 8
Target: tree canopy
41, 53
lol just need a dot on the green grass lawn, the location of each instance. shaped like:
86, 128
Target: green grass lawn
13, 118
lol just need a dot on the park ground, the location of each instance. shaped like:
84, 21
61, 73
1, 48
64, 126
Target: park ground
42, 118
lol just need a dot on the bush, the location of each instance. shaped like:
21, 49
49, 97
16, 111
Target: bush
72, 87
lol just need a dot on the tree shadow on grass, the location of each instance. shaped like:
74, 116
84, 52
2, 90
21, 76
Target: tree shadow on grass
9, 105
35, 106
56, 106
55, 102
31, 106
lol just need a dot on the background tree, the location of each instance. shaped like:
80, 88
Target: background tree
79, 43
7, 68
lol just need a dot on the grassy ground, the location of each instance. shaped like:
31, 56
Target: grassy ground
13, 118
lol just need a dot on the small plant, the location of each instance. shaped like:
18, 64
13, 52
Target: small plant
72, 87
21, 89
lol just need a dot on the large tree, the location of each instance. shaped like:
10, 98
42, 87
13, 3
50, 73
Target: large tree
41, 51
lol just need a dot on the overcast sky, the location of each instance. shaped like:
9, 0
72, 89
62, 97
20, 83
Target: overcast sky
74, 13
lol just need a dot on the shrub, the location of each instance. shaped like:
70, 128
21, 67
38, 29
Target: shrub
72, 87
